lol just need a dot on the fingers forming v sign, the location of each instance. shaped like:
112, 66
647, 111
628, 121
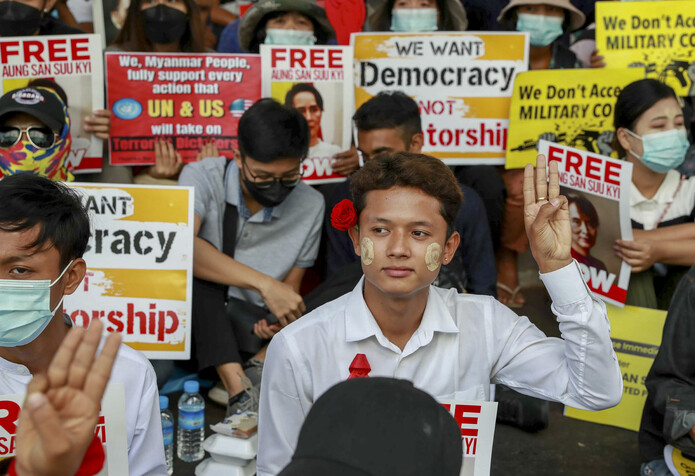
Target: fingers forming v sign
546, 216
56, 424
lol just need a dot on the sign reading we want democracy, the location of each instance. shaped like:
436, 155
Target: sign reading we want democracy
658, 36
139, 266
185, 98
462, 83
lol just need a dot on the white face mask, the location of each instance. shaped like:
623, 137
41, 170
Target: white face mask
282, 36
25, 309
414, 19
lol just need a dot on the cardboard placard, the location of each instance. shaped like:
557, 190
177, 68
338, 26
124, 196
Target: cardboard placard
476, 420
328, 71
462, 82
186, 98
139, 267
75, 63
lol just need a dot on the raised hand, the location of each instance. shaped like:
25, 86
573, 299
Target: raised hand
546, 216
167, 161
56, 424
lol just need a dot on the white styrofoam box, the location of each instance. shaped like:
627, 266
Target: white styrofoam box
210, 467
230, 450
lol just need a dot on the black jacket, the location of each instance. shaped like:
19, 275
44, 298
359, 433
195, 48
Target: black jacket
671, 380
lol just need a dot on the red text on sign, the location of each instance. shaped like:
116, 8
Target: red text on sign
27, 51
590, 166
299, 58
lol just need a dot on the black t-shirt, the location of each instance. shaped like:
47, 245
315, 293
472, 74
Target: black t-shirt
53, 26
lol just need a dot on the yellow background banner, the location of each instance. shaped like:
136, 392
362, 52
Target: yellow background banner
573, 107
657, 36
636, 335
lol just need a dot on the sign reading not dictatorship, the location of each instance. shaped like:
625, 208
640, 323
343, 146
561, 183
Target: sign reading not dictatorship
636, 335
75, 63
317, 81
462, 82
186, 98
657, 36
139, 267
571, 107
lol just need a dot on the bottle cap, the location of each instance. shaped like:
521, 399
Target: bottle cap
191, 386
163, 402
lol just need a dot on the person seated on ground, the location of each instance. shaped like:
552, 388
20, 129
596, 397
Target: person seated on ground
390, 122
257, 229
44, 230
650, 133
373, 437
277, 22
403, 231
584, 221
548, 23
31, 17
157, 26
35, 133
669, 411
418, 15
61, 409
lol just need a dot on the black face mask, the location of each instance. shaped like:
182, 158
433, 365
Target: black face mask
268, 197
164, 24
18, 19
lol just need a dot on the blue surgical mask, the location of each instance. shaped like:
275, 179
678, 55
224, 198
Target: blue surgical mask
662, 151
282, 36
25, 309
543, 29
414, 19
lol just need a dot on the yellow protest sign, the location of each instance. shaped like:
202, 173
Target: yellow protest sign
573, 107
139, 266
658, 36
636, 335
462, 82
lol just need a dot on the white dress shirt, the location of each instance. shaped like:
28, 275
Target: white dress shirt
464, 343
143, 421
679, 207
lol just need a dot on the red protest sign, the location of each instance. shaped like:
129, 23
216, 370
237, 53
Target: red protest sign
187, 98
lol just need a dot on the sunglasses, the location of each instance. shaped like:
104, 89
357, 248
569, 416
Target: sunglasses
40, 136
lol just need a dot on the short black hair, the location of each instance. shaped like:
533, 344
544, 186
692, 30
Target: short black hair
29, 200
634, 100
269, 131
303, 88
390, 110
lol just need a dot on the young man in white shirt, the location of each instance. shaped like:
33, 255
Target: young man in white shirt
44, 230
448, 344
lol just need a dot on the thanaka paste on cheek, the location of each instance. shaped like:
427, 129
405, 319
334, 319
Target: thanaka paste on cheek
434, 252
366, 251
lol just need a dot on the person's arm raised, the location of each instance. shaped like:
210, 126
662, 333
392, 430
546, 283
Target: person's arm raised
61, 410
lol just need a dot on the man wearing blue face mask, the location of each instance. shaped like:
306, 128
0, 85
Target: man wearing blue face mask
44, 230
278, 22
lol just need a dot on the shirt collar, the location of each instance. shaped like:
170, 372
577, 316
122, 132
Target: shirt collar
663, 195
360, 323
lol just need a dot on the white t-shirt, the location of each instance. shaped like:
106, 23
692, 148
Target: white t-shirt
143, 423
464, 343
323, 150
682, 205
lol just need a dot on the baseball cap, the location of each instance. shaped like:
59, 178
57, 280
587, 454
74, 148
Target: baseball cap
38, 102
377, 426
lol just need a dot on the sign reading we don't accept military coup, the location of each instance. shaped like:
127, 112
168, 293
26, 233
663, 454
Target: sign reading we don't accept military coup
462, 82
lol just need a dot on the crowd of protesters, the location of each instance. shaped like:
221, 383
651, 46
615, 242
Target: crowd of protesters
266, 242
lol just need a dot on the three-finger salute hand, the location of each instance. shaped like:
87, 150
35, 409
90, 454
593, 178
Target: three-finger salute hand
546, 216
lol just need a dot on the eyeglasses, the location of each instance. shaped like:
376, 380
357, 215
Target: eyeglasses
290, 180
40, 136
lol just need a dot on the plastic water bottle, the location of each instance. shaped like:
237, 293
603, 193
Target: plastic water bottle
167, 432
191, 432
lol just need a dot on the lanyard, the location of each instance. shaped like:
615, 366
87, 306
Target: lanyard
668, 205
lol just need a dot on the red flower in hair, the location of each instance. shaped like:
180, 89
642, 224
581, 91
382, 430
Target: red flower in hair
343, 216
